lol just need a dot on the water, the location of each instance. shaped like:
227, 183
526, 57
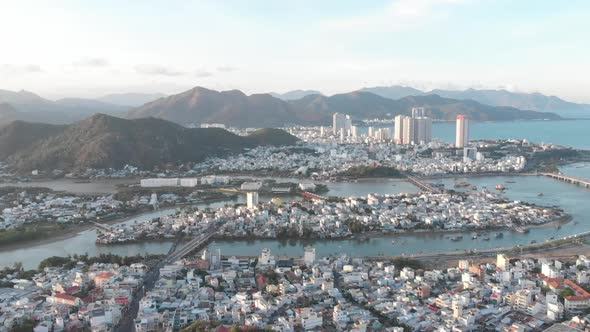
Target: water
526, 188
571, 133
84, 242
106, 186
580, 170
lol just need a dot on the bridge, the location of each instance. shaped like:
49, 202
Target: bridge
191, 246
425, 186
102, 227
570, 179
309, 195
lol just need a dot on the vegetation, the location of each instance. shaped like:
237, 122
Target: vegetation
401, 262
30, 232
371, 172
71, 261
104, 141
567, 292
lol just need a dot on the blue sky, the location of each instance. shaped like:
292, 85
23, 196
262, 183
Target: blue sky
89, 48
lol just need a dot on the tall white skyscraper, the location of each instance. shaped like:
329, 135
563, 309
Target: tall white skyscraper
413, 130
398, 131
462, 131
418, 112
409, 131
423, 132
341, 122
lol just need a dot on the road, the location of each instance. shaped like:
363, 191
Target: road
127, 322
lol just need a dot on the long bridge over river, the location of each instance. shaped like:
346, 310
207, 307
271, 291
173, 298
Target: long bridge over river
569, 179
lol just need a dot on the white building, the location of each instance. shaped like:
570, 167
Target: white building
252, 199
341, 123
309, 256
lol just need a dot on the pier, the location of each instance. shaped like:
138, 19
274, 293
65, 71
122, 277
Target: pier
569, 179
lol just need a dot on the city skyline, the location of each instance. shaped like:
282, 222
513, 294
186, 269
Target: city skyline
73, 49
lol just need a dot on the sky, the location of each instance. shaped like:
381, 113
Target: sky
81, 48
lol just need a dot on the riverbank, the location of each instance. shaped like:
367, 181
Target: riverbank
77, 229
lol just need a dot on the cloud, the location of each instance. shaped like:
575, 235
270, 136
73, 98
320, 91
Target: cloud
91, 62
397, 15
150, 69
226, 69
20, 69
203, 73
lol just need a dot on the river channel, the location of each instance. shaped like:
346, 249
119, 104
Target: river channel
526, 188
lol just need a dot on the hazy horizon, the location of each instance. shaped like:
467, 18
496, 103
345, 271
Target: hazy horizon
90, 49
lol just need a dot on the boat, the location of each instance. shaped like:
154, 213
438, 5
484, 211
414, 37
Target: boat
486, 238
499, 235
540, 195
462, 184
457, 238
521, 229
392, 241
500, 187
473, 187
510, 181
533, 241
474, 237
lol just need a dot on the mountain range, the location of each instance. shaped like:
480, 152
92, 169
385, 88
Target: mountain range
130, 99
294, 94
306, 107
27, 106
524, 101
104, 141
234, 108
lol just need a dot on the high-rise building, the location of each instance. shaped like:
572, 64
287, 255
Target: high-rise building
398, 131
409, 131
251, 199
462, 131
469, 154
413, 130
341, 123
423, 132
354, 131
418, 112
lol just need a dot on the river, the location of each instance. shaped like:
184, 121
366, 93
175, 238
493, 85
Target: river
525, 188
